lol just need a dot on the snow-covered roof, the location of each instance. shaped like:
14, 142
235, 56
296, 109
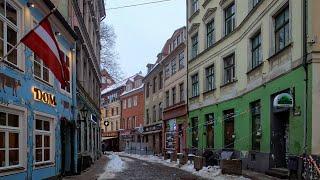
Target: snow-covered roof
134, 89
114, 86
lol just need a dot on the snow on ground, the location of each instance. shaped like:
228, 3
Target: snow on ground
210, 172
114, 165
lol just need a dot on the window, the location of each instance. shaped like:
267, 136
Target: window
39, 69
129, 102
67, 61
9, 139
194, 5
154, 114
181, 89
147, 116
210, 78
124, 104
195, 85
229, 69
173, 66
210, 33
160, 80
194, 46
135, 100
154, 84
112, 111
167, 99
210, 130
160, 111
117, 110
174, 96
229, 14
229, 136
181, 60
147, 89
194, 129
9, 28
256, 124
256, 50
282, 34
111, 125
167, 71
43, 138
255, 2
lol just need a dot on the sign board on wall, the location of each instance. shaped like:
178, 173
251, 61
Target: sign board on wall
44, 97
284, 100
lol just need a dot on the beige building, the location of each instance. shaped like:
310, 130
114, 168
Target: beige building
175, 93
243, 55
111, 115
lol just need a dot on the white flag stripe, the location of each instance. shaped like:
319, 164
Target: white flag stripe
43, 34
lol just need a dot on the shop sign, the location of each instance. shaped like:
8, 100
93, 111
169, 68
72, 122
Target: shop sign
284, 100
153, 128
44, 97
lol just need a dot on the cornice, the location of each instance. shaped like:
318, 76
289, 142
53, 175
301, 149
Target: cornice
193, 28
208, 13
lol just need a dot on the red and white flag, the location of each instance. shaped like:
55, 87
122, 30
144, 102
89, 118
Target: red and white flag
42, 42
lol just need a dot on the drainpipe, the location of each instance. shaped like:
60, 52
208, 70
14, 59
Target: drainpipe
73, 107
187, 97
305, 65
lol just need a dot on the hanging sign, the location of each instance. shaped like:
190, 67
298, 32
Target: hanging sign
283, 100
44, 97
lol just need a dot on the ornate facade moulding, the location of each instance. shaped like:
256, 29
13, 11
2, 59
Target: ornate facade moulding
205, 3
209, 14
194, 27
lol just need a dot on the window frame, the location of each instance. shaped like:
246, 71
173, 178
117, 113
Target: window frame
284, 24
174, 95
43, 133
173, 66
210, 122
231, 17
181, 91
210, 33
194, 6
229, 67
255, 3
256, 48
69, 66
194, 45
210, 75
167, 98
181, 60
195, 85
255, 114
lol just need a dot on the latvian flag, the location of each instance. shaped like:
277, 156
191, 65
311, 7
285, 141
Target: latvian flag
42, 42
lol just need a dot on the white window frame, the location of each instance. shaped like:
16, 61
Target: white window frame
21, 112
51, 133
129, 102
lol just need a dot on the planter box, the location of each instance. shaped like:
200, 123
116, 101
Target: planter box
198, 162
231, 167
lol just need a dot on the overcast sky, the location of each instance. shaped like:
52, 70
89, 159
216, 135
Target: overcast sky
142, 30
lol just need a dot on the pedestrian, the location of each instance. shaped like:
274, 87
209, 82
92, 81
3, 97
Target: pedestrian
103, 148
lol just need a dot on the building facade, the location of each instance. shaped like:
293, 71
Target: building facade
111, 115
33, 107
175, 119
244, 59
86, 23
132, 104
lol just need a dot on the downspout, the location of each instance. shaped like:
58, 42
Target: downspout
305, 65
187, 98
74, 106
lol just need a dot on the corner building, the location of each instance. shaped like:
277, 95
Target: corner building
242, 56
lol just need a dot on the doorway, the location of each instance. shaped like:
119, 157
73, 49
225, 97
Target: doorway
280, 137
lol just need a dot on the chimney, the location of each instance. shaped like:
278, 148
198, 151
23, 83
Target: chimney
149, 67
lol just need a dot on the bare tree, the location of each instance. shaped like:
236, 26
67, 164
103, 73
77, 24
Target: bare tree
109, 56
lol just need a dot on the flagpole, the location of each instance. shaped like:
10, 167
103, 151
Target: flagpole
14, 47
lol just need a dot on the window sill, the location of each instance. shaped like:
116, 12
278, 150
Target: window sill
10, 169
209, 91
43, 165
280, 51
228, 83
11, 66
257, 67
194, 15
42, 81
194, 97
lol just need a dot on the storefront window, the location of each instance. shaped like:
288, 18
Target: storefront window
194, 126
9, 139
256, 124
229, 136
210, 130
42, 140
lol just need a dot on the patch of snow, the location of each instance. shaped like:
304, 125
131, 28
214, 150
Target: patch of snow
210, 172
114, 165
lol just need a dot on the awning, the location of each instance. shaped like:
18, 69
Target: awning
152, 132
106, 138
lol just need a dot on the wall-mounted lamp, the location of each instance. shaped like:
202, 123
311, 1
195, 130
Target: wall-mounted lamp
30, 5
57, 33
